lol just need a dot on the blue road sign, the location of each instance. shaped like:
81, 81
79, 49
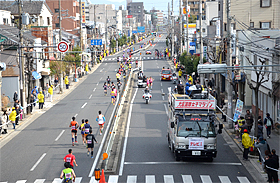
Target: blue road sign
96, 42
134, 32
141, 29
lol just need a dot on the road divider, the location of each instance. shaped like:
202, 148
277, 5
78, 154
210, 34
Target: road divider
37, 163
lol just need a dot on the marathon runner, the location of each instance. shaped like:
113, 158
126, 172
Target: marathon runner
87, 128
74, 126
70, 158
90, 145
83, 130
68, 173
105, 89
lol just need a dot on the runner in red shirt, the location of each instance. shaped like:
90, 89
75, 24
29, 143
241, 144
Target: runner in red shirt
70, 158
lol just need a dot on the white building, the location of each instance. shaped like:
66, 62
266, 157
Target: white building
5, 17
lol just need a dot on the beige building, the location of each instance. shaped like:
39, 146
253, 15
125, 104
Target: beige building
261, 14
194, 7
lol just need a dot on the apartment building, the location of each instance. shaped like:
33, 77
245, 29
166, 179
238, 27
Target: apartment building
194, 7
136, 9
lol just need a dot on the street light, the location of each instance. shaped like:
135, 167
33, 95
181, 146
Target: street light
211, 68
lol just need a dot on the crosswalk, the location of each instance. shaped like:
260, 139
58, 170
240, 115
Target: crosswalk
133, 58
149, 179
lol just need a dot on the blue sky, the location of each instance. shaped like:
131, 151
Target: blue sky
148, 4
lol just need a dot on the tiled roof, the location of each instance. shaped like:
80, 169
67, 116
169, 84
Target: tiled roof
9, 57
33, 8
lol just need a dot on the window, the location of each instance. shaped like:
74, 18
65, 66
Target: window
57, 25
56, 10
233, 25
203, 29
225, 26
139, 7
252, 24
265, 3
219, 6
139, 11
98, 18
48, 21
265, 25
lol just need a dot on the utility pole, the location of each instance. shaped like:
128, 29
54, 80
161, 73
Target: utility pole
187, 29
60, 55
1, 50
106, 28
229, 63
201, 41
172, 29
21, 61
168, 18
95, 29
81, 37
181, 27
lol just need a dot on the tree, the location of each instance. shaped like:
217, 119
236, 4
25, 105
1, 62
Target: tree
190, 62
192, 19
113, 43
261, 77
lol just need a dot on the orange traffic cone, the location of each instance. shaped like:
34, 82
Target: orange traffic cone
102, 178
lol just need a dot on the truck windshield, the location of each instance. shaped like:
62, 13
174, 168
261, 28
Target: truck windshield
195, 129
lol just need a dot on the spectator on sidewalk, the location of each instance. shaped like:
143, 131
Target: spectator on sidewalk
17, 112
5, 119
15, 96
16, 103
180, 73
260, 127
47, 90
12, 117
50, 91
243, 127
35, 89
32, 102
41, 100
249, 120
56, 81
271, 168
268, 122
262, 146
66, 80
276, 157
247, 143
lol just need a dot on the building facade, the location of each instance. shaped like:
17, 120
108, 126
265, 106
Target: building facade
136, 9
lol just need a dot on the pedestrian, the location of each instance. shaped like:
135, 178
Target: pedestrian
32, 101
35, 98
41, 100
101, 120
47, 90
260, 128
56, 81
15, 96
17, 112
50, 91
35, 89
113, 96
12, 117
272, 169
66, 80
90, 145
236, 129
262, 146
243, 127
70, 158
247, 143
180, 73
276, 157
68, 175
5, 119
268, 122
249, 120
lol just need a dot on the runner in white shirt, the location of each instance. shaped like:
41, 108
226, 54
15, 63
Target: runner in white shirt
101, 120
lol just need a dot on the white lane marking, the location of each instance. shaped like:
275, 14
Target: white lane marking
106, 64
101, 70
94, 89
205, 179
150, 179
57, 180
92, 180
113, 179
162, 97
39, 180
126, 134
21, 181
78, 179
39, 160
90, 97
131, 179
174, 162
166, 111
160, 84
187, 178
59, 135
97, 84
115, 70
168, 179
161, 90
224, 179
243, 180
100, 78
84, 105
157, 66
76, 115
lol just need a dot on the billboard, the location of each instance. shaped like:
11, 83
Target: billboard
83, 14
141, 29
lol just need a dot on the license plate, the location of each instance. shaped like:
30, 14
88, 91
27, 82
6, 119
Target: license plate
196, 153
164, 78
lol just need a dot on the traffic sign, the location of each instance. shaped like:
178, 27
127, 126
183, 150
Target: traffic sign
62, 46
96, 42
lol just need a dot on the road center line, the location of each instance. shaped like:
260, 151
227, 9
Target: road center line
94, 89
160, 84
126, 134
39, 160
76, 115
84, 105
59, 135
100, 78
97, 84
90, 97
166, 111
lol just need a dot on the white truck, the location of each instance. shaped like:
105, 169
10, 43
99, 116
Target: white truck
191, 125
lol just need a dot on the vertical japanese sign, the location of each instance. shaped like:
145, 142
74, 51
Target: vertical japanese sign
238, 110
83, 14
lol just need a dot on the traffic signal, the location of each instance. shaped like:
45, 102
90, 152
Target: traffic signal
2, 66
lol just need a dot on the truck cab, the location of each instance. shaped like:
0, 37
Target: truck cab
191, 126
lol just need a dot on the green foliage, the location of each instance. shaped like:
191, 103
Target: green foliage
192, 19
77, 55
122, 40
166, 42
190, 62
113, 43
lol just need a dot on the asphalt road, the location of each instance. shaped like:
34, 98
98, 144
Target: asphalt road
37, 151
147, 154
